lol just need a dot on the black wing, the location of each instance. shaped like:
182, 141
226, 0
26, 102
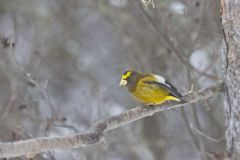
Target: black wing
168, 86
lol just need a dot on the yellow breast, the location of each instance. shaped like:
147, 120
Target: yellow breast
150, 94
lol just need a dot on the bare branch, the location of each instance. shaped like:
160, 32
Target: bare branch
95, 134
206, 136
169, 44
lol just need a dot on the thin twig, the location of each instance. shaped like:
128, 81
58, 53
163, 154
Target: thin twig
206, 136
169, 44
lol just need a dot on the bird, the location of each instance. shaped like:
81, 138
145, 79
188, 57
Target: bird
150, 89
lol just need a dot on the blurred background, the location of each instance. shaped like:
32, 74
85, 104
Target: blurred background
61, 62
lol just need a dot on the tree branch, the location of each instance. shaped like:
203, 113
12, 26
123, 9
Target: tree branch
95, 133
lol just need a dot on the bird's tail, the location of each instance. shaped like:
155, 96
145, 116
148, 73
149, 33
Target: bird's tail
172, 98
178, 98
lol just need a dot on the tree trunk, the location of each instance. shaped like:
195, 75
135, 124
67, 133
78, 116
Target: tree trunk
231, 59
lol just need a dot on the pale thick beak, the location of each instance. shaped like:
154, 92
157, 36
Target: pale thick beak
123, 82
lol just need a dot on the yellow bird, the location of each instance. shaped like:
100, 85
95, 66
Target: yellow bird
150, 89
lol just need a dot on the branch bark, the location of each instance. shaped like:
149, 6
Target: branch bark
231, 59
95, 133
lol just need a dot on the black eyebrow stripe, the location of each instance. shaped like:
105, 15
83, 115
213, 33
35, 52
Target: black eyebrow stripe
125, 72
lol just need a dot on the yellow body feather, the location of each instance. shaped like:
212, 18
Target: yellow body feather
151, 94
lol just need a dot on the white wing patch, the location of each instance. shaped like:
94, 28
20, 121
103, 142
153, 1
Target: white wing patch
161, 79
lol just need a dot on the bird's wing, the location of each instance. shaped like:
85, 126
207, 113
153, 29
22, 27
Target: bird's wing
160, 81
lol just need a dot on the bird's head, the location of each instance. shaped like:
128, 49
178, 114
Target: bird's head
128, 77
